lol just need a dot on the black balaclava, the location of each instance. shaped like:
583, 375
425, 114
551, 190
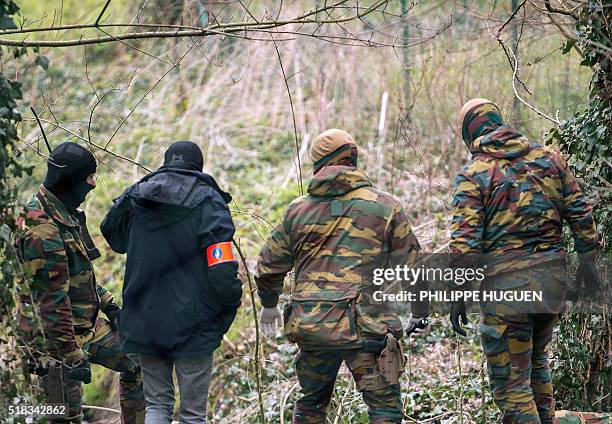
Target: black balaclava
184, 155
67, 170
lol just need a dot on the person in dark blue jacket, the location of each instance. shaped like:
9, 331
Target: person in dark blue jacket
181, 288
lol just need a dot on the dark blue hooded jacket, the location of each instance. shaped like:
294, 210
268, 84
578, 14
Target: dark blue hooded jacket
174, 304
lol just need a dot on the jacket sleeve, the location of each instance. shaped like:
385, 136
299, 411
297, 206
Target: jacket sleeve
114, 227
402, 240
576, 209
217, 229
275, 261
41, 251
404, 248
468, 216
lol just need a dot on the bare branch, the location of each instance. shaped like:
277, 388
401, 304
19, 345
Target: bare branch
248, 11
512, 65
565, 33
501, 28
560, 11
295, 135
41, 129
102, 12
514, 79
219, 29
104, 149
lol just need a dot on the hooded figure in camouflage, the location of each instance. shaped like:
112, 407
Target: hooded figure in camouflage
333, 237
56, 251
510, 203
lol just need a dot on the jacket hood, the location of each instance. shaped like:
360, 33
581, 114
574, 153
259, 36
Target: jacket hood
505, 142
337, 180
168, 195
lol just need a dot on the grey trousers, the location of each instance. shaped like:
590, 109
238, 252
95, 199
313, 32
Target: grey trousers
193, 375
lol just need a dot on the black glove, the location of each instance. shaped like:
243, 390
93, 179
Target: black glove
80, 371
417, 325
587, 281
113, 313
457, 311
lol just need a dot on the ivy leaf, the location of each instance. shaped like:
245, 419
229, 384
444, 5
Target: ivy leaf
6, 22
5, 233
43, 62
19, 51
12, 7
600, 132
568, 46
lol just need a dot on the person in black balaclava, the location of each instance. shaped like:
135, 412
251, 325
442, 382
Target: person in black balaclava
68, 172
52, 242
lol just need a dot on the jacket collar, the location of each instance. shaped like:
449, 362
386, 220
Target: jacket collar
505, 142
207, 179
55, 208
337, 180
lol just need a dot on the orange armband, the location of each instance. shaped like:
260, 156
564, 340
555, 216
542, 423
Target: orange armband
219, 252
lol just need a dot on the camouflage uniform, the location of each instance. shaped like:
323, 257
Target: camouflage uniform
510, 203
333, 237
63, 300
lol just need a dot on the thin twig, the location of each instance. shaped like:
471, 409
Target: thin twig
41, 130
562, 12
510, 61
284, 402
257, 336
483, 392
220, 29
248, 11
101, 408
514, 79
295, 134
501, 28
460, 371
102, 12
104, 149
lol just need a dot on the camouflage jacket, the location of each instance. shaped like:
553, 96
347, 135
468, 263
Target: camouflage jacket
50, 247
333, 237
511, 200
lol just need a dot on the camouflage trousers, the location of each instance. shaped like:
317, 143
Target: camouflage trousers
517, 362
103, 350
317, 370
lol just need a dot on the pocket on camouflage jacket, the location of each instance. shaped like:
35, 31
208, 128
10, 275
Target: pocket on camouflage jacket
321, 322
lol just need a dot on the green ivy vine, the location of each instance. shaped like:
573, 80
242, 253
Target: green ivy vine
16, 384
582, 367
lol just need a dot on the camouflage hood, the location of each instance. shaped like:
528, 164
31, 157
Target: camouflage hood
337, 180
505, 142
484, 132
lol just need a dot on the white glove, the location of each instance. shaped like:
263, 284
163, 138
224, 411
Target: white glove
414, 326
269, 320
